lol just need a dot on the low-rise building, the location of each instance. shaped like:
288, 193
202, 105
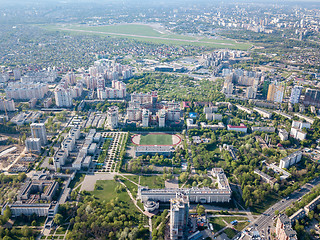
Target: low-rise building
220, 125
190, 124
265, 177
198, 195
263, 113
153, 149
263, 129
242, 108
283, 134
290, 160
241, 128
297, 131
213, 116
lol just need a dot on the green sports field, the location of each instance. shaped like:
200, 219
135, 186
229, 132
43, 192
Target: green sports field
156, 139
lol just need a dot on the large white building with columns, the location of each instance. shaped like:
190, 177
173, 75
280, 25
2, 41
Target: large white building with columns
197, 195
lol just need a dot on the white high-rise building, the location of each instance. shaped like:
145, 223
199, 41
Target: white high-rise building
145, 118
179, 215
33, 144
7, 105
17, 74
38, 130
162, 118
63, 97
251, 93
295, 94
112, 116
19, 90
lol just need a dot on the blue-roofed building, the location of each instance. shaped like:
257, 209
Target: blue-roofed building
192, 115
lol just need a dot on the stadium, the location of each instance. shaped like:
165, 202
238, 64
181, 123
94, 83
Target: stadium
156, 139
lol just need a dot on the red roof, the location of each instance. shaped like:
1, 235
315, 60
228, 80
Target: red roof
241, 126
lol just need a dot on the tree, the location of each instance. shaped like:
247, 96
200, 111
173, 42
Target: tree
58, 219
7, 214
25, 231
276, 212
200, 210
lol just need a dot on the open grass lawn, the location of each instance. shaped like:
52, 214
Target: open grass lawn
148, 34
134, 178
230, 219
241, 225
230, 232
106, 190
152, 181
217, 224
156, 139
131, 186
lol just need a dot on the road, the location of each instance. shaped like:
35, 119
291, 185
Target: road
266, 220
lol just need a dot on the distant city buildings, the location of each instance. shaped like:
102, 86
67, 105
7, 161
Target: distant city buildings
26, 91
117, 91
144, 108
42, 76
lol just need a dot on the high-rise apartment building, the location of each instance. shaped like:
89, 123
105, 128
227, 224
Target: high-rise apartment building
275, 92
145, 118
26, 91
312, 97
38, 130
63, 97
251, 92
33, 144
295, 94
112, 116
179, 215
7, 105
162, 118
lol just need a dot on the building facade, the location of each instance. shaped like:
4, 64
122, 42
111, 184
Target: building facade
38, 130
179, 215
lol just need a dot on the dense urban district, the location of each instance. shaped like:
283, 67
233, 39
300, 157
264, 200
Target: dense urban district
171, 120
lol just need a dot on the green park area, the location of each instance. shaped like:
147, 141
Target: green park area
108, 190
147, 33
156, 139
